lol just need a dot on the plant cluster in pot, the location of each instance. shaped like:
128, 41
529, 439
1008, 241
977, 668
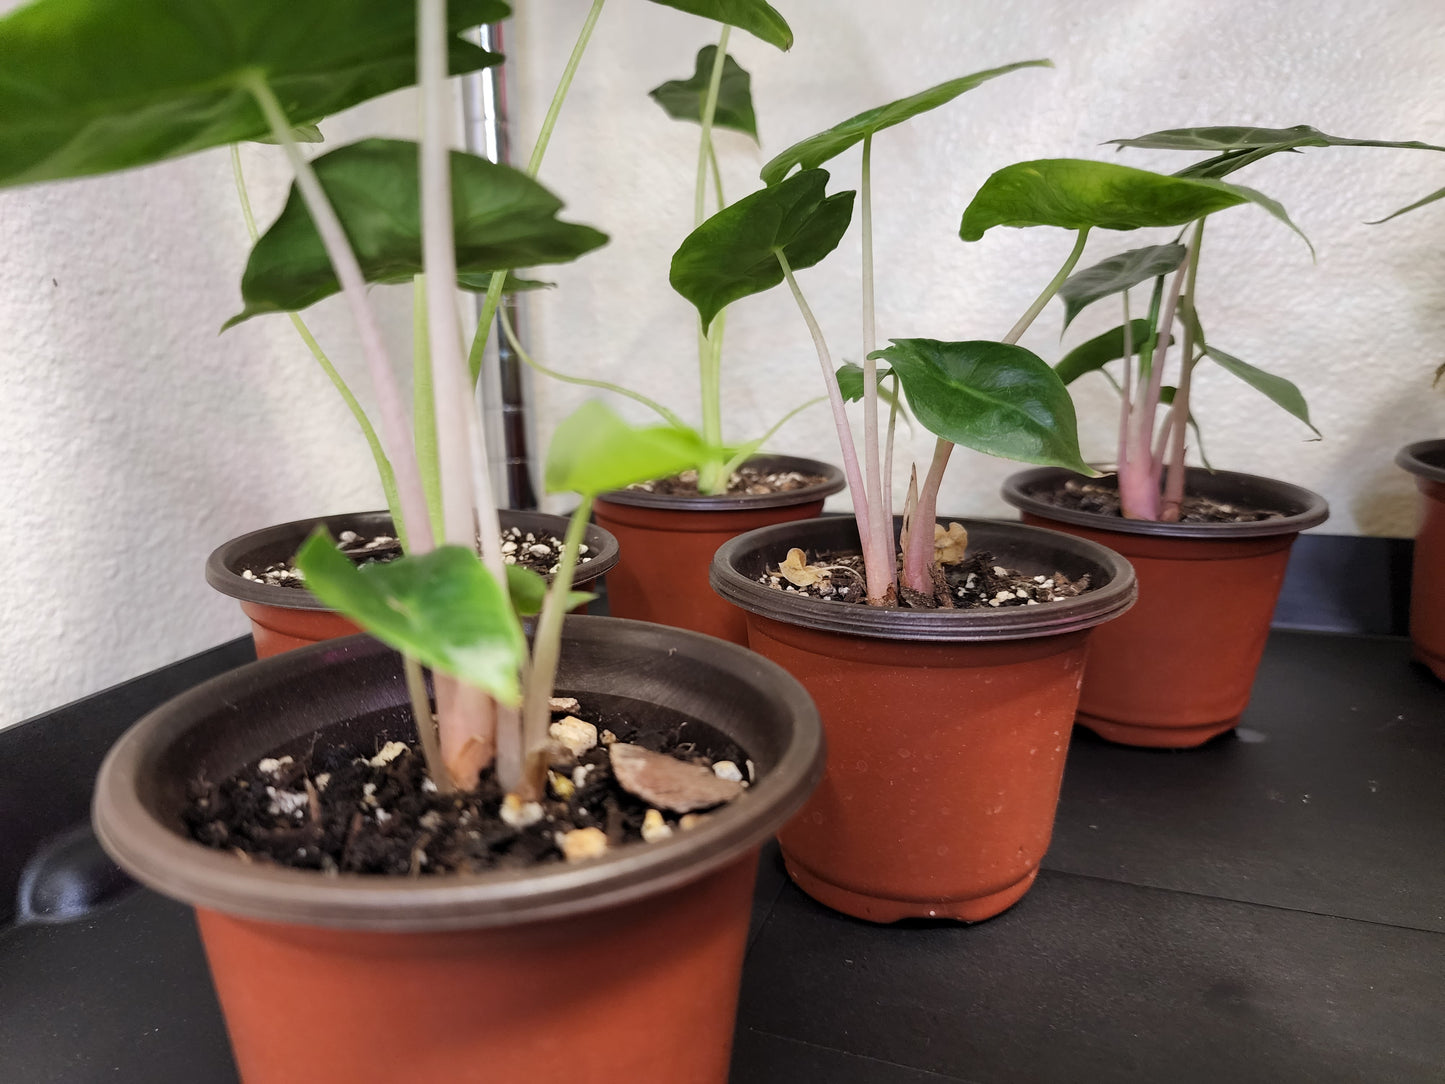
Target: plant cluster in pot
385, 866
947, 697
1210, 547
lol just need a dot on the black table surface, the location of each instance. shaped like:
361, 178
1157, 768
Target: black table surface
1268, 908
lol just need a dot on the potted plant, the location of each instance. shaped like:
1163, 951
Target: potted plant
329, 974
948, 690
1210, 547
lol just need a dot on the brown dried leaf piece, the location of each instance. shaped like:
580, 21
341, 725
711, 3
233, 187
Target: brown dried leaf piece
669, 783
949, 545
796, 570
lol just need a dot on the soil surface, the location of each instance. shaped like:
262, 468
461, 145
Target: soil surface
1102, 498
337, 803
744, 482
538, 551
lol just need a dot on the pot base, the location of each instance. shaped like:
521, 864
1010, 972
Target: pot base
1155, 737
1434, 663
883, 909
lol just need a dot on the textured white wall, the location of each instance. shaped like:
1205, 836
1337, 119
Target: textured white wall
135, 439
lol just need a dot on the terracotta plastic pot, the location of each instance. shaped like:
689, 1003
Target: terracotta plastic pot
612, 971
947, 729
1177, 671
283, 618
668, 544
1426, 461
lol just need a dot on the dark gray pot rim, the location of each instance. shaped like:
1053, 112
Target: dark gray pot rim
223, 566
1416, 457
159, 855
1113, 591
833, 483
1303, 508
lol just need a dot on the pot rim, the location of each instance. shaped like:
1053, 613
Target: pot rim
1412, 458
226, 559
160, 856
834, 481
1095, 606
1305, 508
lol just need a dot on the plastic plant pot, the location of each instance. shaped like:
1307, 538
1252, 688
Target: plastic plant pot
1178, 669
947, 729
1426, 461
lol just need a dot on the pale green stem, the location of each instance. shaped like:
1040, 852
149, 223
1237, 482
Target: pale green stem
426, 727
1032, 312
717, 185
752, 446
872, 470
1126, 393
711, 478
539, 149
423, 409
586, 382
888, 457
1179, 413
394, 428
378, 455
709, 110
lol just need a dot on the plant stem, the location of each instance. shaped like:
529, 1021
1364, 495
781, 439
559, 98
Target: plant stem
1139, 490
709, 340
426, 727
423, 409
882, 529
534, 164
753, 445
1179, 413
709, 111
888, 457
1032, 312
411, 500
1126, 393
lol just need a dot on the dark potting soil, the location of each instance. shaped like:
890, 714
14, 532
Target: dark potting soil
357, 798
745, 481
538, 551
1102, 498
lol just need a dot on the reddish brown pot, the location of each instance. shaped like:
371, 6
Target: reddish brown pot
284, 618
1177, 670
613, 971
1426, 461
947, 730
668, 543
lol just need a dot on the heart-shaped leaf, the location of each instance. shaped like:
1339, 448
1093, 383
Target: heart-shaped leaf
684, 99
1115, 275
594, 450
528, 589
88, 87
1237, 146
1099, 351
443, 608
815, 150
735, 252
501, 219
996, 398
1276, 389
756, 17
1076, 194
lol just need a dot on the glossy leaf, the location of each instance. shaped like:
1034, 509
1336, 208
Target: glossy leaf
481, 281
502, 219
1431, 198
734, 253
850, 384
815, 150
1166, 396
755, 16
1276, 389
528, 589
996, 398
1237, 146
302, 133
89, 86
1115, 275
593, 451
1076, 194
1093, 355
443, 608
684, 99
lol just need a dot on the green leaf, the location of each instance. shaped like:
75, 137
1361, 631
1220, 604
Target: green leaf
502, 219
1099, 351
1431, 198
1115, 275
1276, 389
302, 133
734, 253
754, 16
528, 590
593, 451
1076, 194
993, 397
815, 150
850, 383
480, 282
1237, 146
684, 99
88, 86
443, 608
1166, 396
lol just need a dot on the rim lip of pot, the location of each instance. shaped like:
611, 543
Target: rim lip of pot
225, 562
161, 856
1303, 508
1102, 603
833, 482
1413, 458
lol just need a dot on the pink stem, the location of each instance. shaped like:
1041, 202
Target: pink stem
1139, 492
918, 557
